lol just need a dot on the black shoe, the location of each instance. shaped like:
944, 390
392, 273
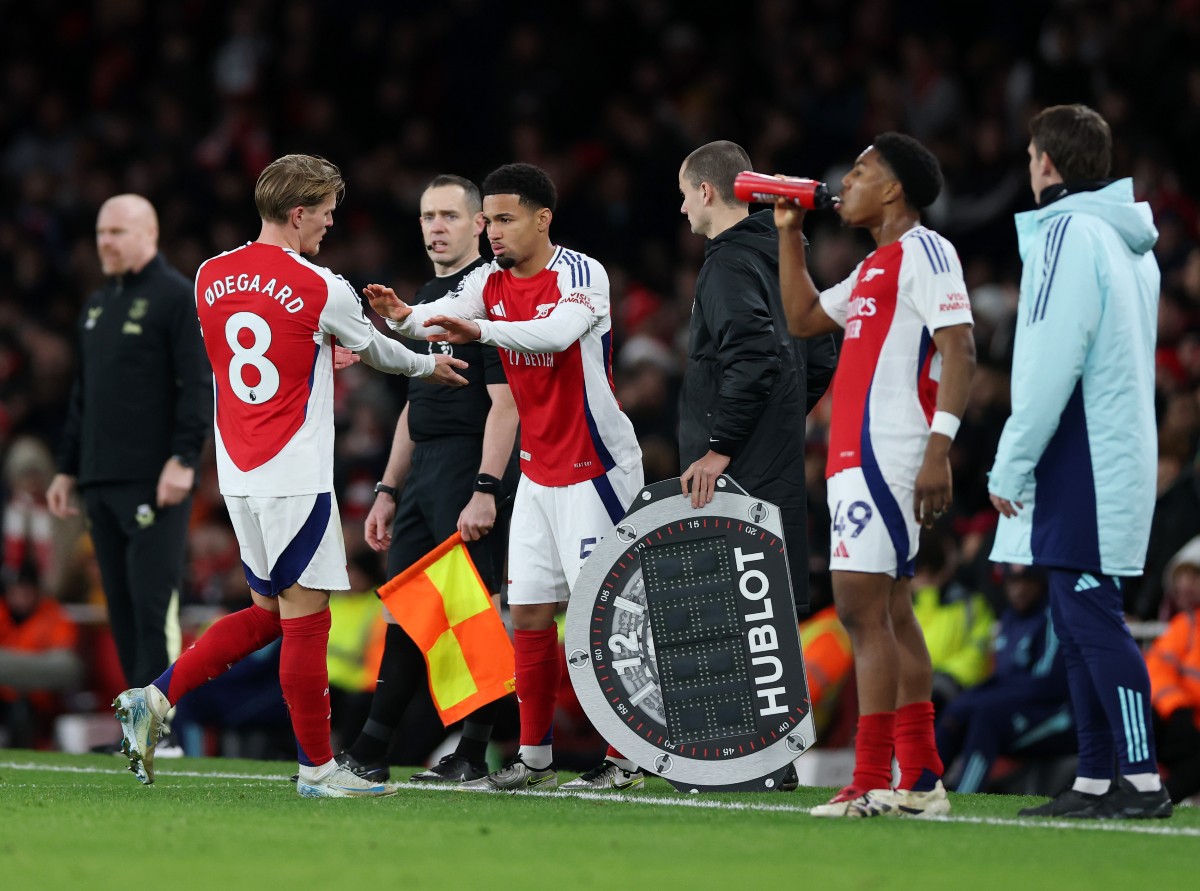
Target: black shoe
453, 768
376, 773
1070, 803
1124, 802
790, 781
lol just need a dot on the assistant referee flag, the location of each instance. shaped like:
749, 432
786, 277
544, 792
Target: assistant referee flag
443, 605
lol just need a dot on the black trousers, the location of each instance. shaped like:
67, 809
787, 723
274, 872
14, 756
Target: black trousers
140, 549
439, 485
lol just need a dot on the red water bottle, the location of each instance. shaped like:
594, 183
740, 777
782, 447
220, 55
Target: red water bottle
758, 188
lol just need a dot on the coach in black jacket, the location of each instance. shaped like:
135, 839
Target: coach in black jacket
748, 385
140, 410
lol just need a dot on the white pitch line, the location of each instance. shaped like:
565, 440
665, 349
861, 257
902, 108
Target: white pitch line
121, 770
1124, 826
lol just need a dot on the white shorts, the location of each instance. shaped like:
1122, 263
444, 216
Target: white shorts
555, 528
289, 540
873, 527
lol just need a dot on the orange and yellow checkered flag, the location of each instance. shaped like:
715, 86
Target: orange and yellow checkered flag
444, 606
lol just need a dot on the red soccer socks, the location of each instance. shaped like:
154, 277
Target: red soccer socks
873, 751
304, 677
916, 751
539, 673
229, 640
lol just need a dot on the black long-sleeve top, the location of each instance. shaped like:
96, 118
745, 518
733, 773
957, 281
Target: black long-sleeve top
748, 383
143, 385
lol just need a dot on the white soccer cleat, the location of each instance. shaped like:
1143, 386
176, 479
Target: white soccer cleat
141, 711
934, 803
342, 783
606, 777
839, 804
901, 803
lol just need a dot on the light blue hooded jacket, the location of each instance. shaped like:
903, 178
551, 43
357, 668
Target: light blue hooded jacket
1080, 450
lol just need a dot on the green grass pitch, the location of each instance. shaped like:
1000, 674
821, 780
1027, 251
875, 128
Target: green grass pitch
83, 822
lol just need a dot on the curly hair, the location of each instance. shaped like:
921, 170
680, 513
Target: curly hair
529, 183
914, 166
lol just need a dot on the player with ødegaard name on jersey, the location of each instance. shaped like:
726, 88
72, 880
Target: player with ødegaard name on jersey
269, 318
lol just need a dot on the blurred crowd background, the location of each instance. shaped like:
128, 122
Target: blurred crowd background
185, 102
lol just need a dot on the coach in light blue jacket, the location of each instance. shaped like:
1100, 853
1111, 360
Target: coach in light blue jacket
1075, 470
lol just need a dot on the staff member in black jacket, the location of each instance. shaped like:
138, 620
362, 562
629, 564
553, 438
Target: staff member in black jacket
748, 384
140, 410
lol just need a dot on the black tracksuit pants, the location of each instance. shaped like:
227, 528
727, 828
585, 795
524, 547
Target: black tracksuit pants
140, 550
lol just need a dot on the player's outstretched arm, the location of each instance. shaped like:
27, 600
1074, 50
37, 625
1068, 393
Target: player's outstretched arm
452, 330
385, 302
385, 354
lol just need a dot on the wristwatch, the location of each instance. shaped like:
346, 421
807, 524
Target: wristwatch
384, 487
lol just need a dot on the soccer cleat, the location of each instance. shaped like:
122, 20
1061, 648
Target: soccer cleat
376, 773
901, 803
451, 769
515, 776
836, 806
1123, 801
341, 782
141, 727
1070, 803
607, 776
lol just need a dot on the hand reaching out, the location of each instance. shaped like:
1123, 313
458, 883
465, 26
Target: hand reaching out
456, 330
385, 302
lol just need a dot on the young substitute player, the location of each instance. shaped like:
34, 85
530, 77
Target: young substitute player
901, 386
547, 309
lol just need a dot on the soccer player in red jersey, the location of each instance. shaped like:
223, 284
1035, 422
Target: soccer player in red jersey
547, 310
901, 386
269, 318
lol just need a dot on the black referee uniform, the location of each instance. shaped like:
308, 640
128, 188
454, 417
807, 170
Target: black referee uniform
446, 427
142, 394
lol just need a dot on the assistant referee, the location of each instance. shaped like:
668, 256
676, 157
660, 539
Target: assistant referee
451, 467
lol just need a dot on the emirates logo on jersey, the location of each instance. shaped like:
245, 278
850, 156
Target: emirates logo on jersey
582, 299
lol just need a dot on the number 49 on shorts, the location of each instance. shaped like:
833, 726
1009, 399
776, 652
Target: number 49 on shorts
857, 515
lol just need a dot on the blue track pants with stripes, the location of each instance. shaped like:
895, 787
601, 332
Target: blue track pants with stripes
1110, 688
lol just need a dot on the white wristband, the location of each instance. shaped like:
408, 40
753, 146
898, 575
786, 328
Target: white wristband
945, 424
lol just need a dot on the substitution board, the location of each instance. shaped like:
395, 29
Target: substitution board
682, 643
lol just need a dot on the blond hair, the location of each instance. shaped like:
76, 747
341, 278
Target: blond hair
296, 181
